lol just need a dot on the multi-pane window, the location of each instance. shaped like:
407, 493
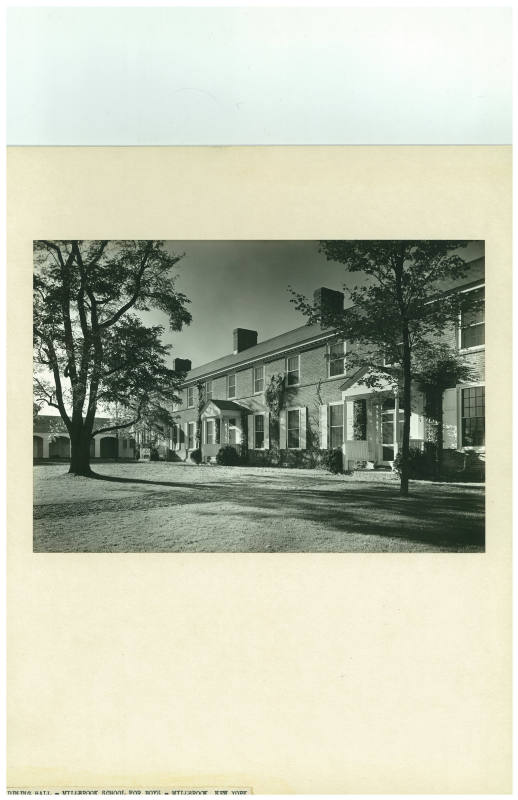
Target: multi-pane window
208, 390
258, 379
231, 385
210, 431
337, 359
294, 428
259, 431
293, 370
473, 417
472, 324
190, 397
336, 425
190, 435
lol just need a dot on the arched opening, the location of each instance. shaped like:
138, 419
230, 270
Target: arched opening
37, 447
109, 447
60, 447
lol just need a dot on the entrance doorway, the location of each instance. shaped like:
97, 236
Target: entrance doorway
391, 429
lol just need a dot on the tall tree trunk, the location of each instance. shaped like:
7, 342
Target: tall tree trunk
405, 448
80, 452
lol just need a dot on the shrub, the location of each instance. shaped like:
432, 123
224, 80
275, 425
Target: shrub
195, 456
227, 456
154, 454
333, 461
420, 464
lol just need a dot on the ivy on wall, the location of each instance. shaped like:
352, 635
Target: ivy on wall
360, 420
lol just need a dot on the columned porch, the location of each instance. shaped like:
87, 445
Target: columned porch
373, 426
222, 423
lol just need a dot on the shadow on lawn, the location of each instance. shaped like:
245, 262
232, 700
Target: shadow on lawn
445, 517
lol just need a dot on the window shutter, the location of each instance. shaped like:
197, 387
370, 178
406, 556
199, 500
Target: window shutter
251, 431
416, 417
323, 427
266, 430
303, 427
449, 407
349, 421
282, 430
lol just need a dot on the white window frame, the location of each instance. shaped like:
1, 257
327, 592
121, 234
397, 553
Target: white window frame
190, 404
465, 448
264, 431
298, 409
260, 367
329, 426
330, 345
209, 391
210, 420
231, 375
475, 347
297, 356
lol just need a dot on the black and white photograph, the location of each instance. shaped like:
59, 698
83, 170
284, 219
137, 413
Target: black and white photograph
259, 396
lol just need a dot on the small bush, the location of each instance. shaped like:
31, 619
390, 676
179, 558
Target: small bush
333, 461
227, 456
195, 456
154, 454
420, 464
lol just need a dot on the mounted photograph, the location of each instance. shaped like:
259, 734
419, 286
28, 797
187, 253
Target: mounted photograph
259, 396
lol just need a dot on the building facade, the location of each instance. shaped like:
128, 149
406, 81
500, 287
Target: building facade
323, 407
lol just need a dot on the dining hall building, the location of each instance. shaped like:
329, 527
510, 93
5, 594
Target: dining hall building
324, 405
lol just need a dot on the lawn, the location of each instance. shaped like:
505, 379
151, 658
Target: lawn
167, 507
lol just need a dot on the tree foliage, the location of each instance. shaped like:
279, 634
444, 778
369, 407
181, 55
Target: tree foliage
92, 346
398, 310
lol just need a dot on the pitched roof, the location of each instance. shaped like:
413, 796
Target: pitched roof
298, 336
227, 405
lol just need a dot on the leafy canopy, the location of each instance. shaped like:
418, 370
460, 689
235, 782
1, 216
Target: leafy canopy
402, 292
88, 336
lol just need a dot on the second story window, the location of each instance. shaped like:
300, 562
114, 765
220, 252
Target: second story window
258, 379
336, 359
231, 386
472, 323
293, 370
208, 390
190, 397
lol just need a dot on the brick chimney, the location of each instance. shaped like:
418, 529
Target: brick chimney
328, 300
182, 365
243, 339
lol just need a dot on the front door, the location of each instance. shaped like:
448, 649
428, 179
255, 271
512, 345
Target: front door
391, 430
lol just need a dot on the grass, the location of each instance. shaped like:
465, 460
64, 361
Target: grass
167, 507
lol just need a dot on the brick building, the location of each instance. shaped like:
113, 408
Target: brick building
223, 402
51, 440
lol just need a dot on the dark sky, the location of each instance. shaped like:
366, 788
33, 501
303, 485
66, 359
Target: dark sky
244, 284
